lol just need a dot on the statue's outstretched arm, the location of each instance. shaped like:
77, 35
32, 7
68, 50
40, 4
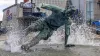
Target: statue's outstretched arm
52, 8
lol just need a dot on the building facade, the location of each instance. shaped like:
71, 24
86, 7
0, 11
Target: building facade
93, 9
97, 9
0, 23
60, 3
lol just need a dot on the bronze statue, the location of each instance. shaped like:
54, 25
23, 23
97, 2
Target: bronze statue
49, 24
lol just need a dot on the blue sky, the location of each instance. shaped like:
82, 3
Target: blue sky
4, 4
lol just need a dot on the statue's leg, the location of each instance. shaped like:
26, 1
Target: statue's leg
44, 34
36, 26
67, 33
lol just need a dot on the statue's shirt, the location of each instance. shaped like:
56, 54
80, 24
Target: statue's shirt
55, 20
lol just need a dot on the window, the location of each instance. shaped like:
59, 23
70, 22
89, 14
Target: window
89, 9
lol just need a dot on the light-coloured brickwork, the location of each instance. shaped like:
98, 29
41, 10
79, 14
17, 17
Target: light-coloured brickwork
96, 10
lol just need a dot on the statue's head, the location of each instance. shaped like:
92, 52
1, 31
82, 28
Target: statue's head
69, 12
74, 14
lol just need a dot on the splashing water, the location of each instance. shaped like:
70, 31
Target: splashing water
15, 38
13, 42
81, 35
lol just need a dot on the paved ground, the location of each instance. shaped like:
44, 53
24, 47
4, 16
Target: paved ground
3, 37
74, 51
98, 36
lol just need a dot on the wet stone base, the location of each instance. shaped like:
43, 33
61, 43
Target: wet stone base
72, 51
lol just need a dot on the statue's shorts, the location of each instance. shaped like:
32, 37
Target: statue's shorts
40, 25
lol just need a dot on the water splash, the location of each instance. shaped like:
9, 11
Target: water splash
81, 35
13, 42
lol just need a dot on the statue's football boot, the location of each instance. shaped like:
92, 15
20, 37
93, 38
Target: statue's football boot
26, 48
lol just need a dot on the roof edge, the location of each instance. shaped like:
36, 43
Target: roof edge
9, 7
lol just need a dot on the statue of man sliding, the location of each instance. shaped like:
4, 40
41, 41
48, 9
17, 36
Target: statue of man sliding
48, 25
